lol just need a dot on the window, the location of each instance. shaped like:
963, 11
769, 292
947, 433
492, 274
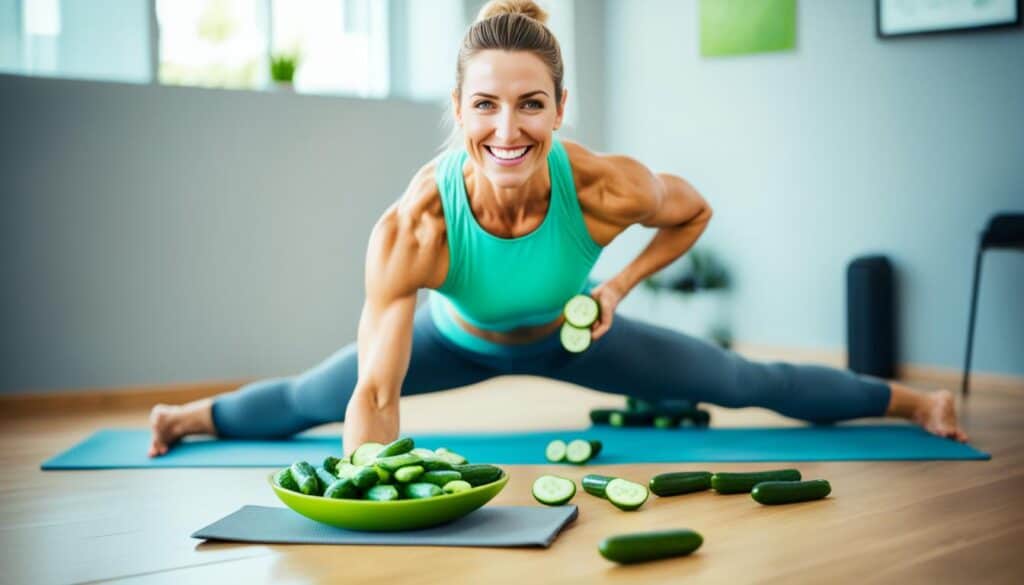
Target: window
99, 39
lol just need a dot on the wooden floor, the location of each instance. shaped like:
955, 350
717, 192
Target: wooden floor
886, 522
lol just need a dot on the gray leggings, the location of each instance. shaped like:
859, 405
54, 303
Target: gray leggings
633, 359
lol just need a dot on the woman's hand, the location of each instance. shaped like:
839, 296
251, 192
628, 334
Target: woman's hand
365, 422
607, 294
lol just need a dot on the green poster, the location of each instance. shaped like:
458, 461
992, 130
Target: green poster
736, 27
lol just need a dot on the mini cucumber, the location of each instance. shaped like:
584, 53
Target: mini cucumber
454, 487
595, 484
739, 483
408, 473
626, 495
771, 493
680, 482
366, 453
305, 476
649, 546
396, 462
284, 480
479, 474
382, 493
326, 478
581, 311
625, 418
440, 478
599, 416
436, 464
666, 421
396, 447
574, 339
450, 456
366, 478
555, 451
344, 488
552, 490
331, 464
419, 491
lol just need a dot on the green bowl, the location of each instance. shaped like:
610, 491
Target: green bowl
389, 516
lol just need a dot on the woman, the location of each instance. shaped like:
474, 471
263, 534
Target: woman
504, 231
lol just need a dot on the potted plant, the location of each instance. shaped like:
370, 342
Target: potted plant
697, 286
282, 69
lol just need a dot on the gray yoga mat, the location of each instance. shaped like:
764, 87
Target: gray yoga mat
490, 526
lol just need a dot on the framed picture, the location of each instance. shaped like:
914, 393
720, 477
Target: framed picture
898, 18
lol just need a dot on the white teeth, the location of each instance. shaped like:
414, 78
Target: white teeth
508, 154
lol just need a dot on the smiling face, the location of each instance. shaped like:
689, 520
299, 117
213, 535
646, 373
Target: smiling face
507, 111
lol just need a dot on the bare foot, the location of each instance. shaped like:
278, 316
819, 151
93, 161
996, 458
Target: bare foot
172, 422
937, 415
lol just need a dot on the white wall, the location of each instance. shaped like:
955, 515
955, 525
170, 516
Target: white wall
850, 144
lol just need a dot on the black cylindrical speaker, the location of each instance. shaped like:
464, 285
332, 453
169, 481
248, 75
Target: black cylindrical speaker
871, 316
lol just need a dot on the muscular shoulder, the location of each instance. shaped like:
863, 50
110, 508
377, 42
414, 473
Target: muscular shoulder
614, 188
406, 243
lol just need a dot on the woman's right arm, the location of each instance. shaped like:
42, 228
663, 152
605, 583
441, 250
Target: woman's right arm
401, 258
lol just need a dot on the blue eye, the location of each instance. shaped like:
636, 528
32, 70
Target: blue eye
483, 103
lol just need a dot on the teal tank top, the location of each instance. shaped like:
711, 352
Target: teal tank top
500, 283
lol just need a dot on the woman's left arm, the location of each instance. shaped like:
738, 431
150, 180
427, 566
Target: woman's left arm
632, 194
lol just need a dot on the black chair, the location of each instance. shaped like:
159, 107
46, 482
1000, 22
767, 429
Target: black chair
1004, 230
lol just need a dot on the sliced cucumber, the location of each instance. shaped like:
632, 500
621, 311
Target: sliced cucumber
740, 483
625, 494
579, 451
595, 484
582, 311
680, 482
552, 490
574, 339
771, 493
366, 453
649, 546
555, 451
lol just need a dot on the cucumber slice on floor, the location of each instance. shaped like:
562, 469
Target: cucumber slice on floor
579, 451
740, 483
649, 546
552, 490
574, 339
771, 493
595, 484
581, 311
366, 453
625, 494
680, 482
555, 451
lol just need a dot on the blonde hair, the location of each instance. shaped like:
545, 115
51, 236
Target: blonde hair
507, 25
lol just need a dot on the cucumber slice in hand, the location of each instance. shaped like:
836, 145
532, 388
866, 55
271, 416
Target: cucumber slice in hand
582, 311
574, 339
552, 490
625, 494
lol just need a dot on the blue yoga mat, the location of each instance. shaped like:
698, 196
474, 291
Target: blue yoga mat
125, 448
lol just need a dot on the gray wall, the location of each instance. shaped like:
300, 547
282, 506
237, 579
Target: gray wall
850, 144
159, 234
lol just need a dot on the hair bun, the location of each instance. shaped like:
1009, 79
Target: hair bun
525, 7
